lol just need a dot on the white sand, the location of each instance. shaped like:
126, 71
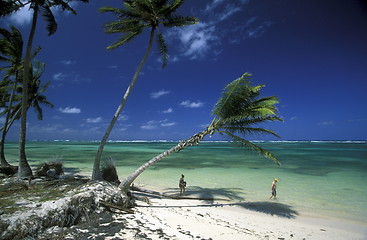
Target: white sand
193, 219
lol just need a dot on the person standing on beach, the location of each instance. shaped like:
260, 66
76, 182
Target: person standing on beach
274, 189
182, 185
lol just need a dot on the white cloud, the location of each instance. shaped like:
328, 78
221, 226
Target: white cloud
70, 77
257, 29
169, 110
173, 59
70, 110
168, 124
190, 104
293, 118
197, 39
94, 120
229, 12
21, 17
201, 39
159, 93
149, 125
68, 62
123, 117
156, 124
325, 123
58, 76
24, 15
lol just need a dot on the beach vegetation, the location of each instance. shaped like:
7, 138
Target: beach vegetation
132, 19
237, 115
36, 98
11, 52
11, 84
44, 7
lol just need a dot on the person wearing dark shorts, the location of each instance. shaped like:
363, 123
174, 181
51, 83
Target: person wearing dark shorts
182, 185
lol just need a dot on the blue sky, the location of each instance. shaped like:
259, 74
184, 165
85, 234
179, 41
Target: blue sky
311, 54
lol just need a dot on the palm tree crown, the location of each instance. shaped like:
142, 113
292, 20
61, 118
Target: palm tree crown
138, 15
239, 109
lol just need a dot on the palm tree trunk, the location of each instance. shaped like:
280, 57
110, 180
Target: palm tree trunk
195, 139
24, 168
96, 175
5, 130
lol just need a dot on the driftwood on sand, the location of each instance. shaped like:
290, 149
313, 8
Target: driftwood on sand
34, 216
119, 207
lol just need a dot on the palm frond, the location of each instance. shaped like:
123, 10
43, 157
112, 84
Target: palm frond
159, 4
248, 144
124, 26
106, 9
50, 19
249, 130
125, 38
145, 7
38, 110
65, 5
231, 95
8, 7
169, 9
179, 21
163, 49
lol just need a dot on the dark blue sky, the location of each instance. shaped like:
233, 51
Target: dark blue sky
311, 54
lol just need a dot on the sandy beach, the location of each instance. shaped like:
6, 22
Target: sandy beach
166, 218
160, 215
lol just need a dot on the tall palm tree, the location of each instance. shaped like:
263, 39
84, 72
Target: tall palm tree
133, 18
236, 115
36, 98
11, 46
45, 7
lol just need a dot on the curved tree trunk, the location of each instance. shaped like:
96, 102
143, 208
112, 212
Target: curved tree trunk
24, 168
5, 130
195, 139
96, 175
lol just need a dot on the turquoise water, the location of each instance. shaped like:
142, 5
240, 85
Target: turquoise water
317, 178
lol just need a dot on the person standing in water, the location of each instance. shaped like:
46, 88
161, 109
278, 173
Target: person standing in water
182, 185
274, 189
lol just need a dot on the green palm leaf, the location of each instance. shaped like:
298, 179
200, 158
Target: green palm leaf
50, 19
248, 144
163, 49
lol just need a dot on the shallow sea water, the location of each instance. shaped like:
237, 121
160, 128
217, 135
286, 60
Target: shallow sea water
317, 178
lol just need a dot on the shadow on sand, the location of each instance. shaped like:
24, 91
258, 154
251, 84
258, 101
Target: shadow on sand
271, 208
211, 194
233, 194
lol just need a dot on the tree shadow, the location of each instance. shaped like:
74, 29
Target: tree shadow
209, 194
271, 208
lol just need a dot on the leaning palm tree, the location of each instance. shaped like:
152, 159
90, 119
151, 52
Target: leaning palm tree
136, 16
236, 115
45, 7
